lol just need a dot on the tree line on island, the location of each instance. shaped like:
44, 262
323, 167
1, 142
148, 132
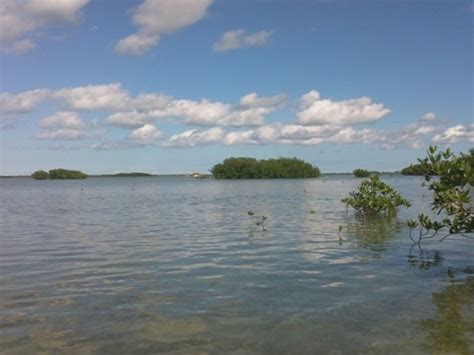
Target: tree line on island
251, 168
59, 174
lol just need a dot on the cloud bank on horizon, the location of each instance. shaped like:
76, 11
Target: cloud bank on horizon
317, 120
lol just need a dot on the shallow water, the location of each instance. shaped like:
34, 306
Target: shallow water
174, 264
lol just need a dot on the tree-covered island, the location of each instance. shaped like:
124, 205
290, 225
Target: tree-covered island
251, 168
58, 174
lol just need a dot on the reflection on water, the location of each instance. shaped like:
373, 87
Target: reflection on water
373, 232
451, 330
162, 264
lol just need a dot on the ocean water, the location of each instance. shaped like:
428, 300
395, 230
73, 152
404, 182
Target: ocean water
176, 265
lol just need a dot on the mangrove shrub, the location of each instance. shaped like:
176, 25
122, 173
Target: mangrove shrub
361, 173
451, 194
60, 174
250, 168
40, 175
373, 196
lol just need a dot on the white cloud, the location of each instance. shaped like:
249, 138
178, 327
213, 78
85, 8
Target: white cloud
235, 39
406, 137
157, 17
250, 111
66, 125
147, 133
314, 111
132, 119
93, 97
128, 111
23, 102
61, 134
136, 44
21, 20
63, 119
194, 137
455, 134
429, 116
19, 47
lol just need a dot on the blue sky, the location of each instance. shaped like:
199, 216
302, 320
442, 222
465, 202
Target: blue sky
176, 86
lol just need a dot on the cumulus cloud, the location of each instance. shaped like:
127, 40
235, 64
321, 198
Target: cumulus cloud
409, 136
13, 105
146, 133
21, 20
195, 137
429, 116
62, 119
131, 119
157, 17
250, 111
65, 125
23, 102
93, 97
238, 38
455, 134
135, 111
317, 111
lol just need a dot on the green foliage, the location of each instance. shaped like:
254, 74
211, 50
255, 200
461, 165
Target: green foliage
451, 193
250, 168
362, 173
40, 175
60, 174
373, 197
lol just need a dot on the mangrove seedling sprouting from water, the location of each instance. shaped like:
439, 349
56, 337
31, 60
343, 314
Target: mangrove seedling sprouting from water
258, 220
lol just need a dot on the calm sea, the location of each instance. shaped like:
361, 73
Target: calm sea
176, 265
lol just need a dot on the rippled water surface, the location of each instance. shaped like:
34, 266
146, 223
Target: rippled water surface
173, 264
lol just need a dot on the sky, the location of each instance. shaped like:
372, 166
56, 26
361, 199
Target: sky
176, 86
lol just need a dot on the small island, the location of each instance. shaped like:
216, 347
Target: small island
251, 168
132, 174
363, 173
58, 174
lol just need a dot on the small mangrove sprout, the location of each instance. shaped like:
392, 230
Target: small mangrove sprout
258, 220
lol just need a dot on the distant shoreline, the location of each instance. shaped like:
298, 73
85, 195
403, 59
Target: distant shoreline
119, 175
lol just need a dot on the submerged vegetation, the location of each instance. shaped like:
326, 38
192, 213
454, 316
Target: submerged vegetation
373, 197
451, 194
250, 168
58, 174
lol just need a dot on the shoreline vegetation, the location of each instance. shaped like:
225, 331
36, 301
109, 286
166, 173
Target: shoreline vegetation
251, 168
58, 174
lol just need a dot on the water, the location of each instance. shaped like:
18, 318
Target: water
174, 264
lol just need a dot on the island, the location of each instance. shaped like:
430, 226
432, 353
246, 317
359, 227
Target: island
58, 174
251, 168
413, 169
132, 174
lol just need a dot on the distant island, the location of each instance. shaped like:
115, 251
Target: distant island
58, 174
413, 169
362, 173
251, 168
132, 174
